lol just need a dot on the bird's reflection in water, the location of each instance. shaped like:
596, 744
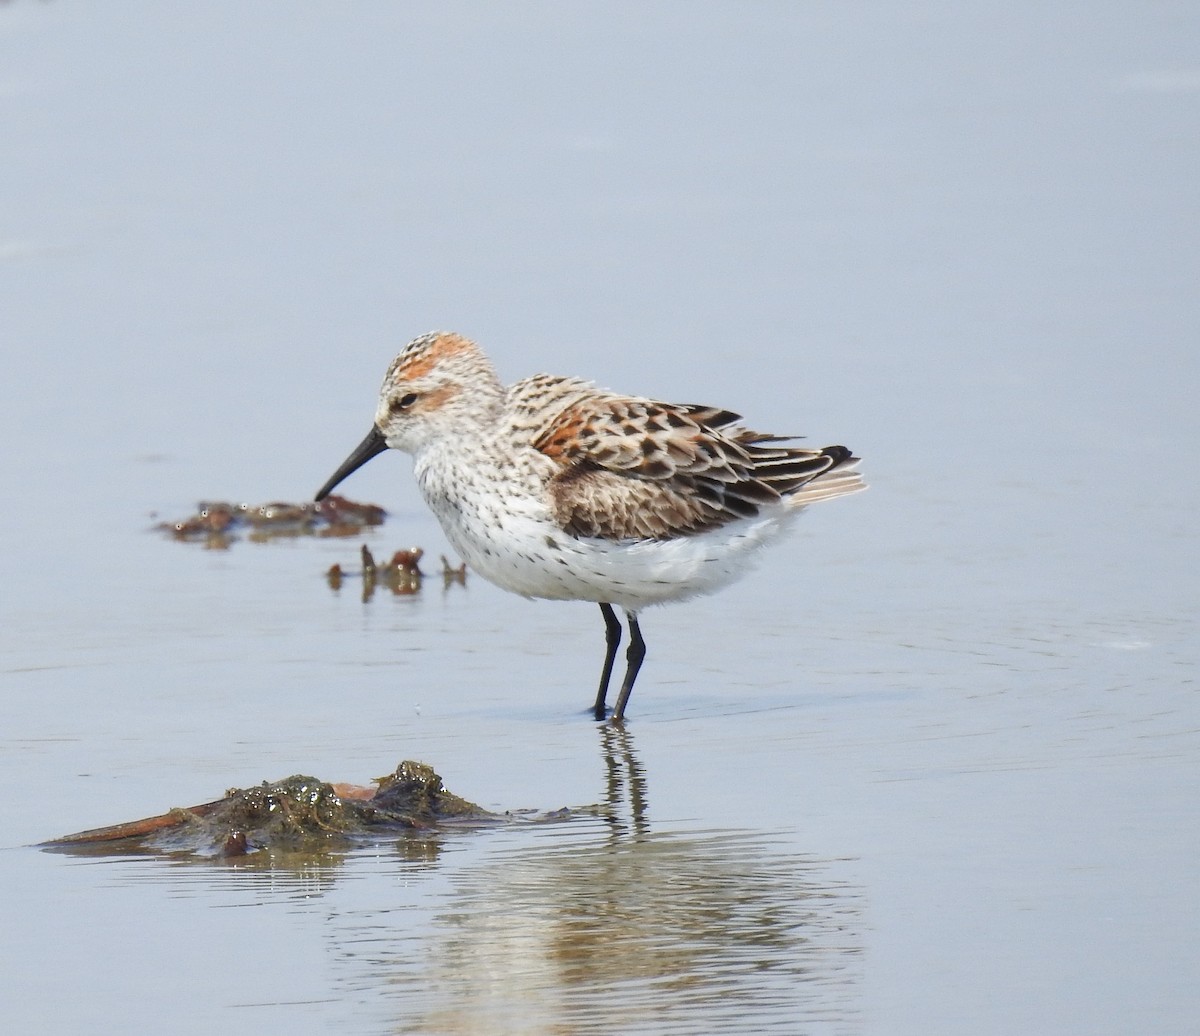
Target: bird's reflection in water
603, 925
623, 773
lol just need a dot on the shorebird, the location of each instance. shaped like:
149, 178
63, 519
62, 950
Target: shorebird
557, 489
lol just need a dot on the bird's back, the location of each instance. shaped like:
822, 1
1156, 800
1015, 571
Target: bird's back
628, 468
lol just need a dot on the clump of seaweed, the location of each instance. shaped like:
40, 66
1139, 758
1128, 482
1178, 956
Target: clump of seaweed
217, 524
298, 814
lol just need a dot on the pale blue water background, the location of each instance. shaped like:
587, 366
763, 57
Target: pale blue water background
933, 769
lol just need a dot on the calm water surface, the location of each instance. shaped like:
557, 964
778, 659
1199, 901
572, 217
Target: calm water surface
931, 769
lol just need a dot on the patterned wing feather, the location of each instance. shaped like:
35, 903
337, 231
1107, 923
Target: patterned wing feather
640, 469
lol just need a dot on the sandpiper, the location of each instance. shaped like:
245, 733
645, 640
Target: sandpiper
555, 488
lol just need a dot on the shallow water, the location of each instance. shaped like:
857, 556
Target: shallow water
931, 769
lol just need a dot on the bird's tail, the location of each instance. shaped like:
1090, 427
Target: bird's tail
841, 478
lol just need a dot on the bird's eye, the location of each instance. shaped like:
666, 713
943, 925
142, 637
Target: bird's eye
403, 403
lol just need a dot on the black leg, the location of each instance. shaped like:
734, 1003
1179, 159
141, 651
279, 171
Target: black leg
612, 637
633, 662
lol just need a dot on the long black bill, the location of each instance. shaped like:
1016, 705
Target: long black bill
371, 446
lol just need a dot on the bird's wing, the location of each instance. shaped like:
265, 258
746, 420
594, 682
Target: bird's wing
633, 468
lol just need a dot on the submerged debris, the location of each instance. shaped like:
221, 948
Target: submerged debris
401, 575
217, 524
295, 814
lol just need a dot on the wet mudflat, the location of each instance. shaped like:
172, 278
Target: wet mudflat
931, 769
